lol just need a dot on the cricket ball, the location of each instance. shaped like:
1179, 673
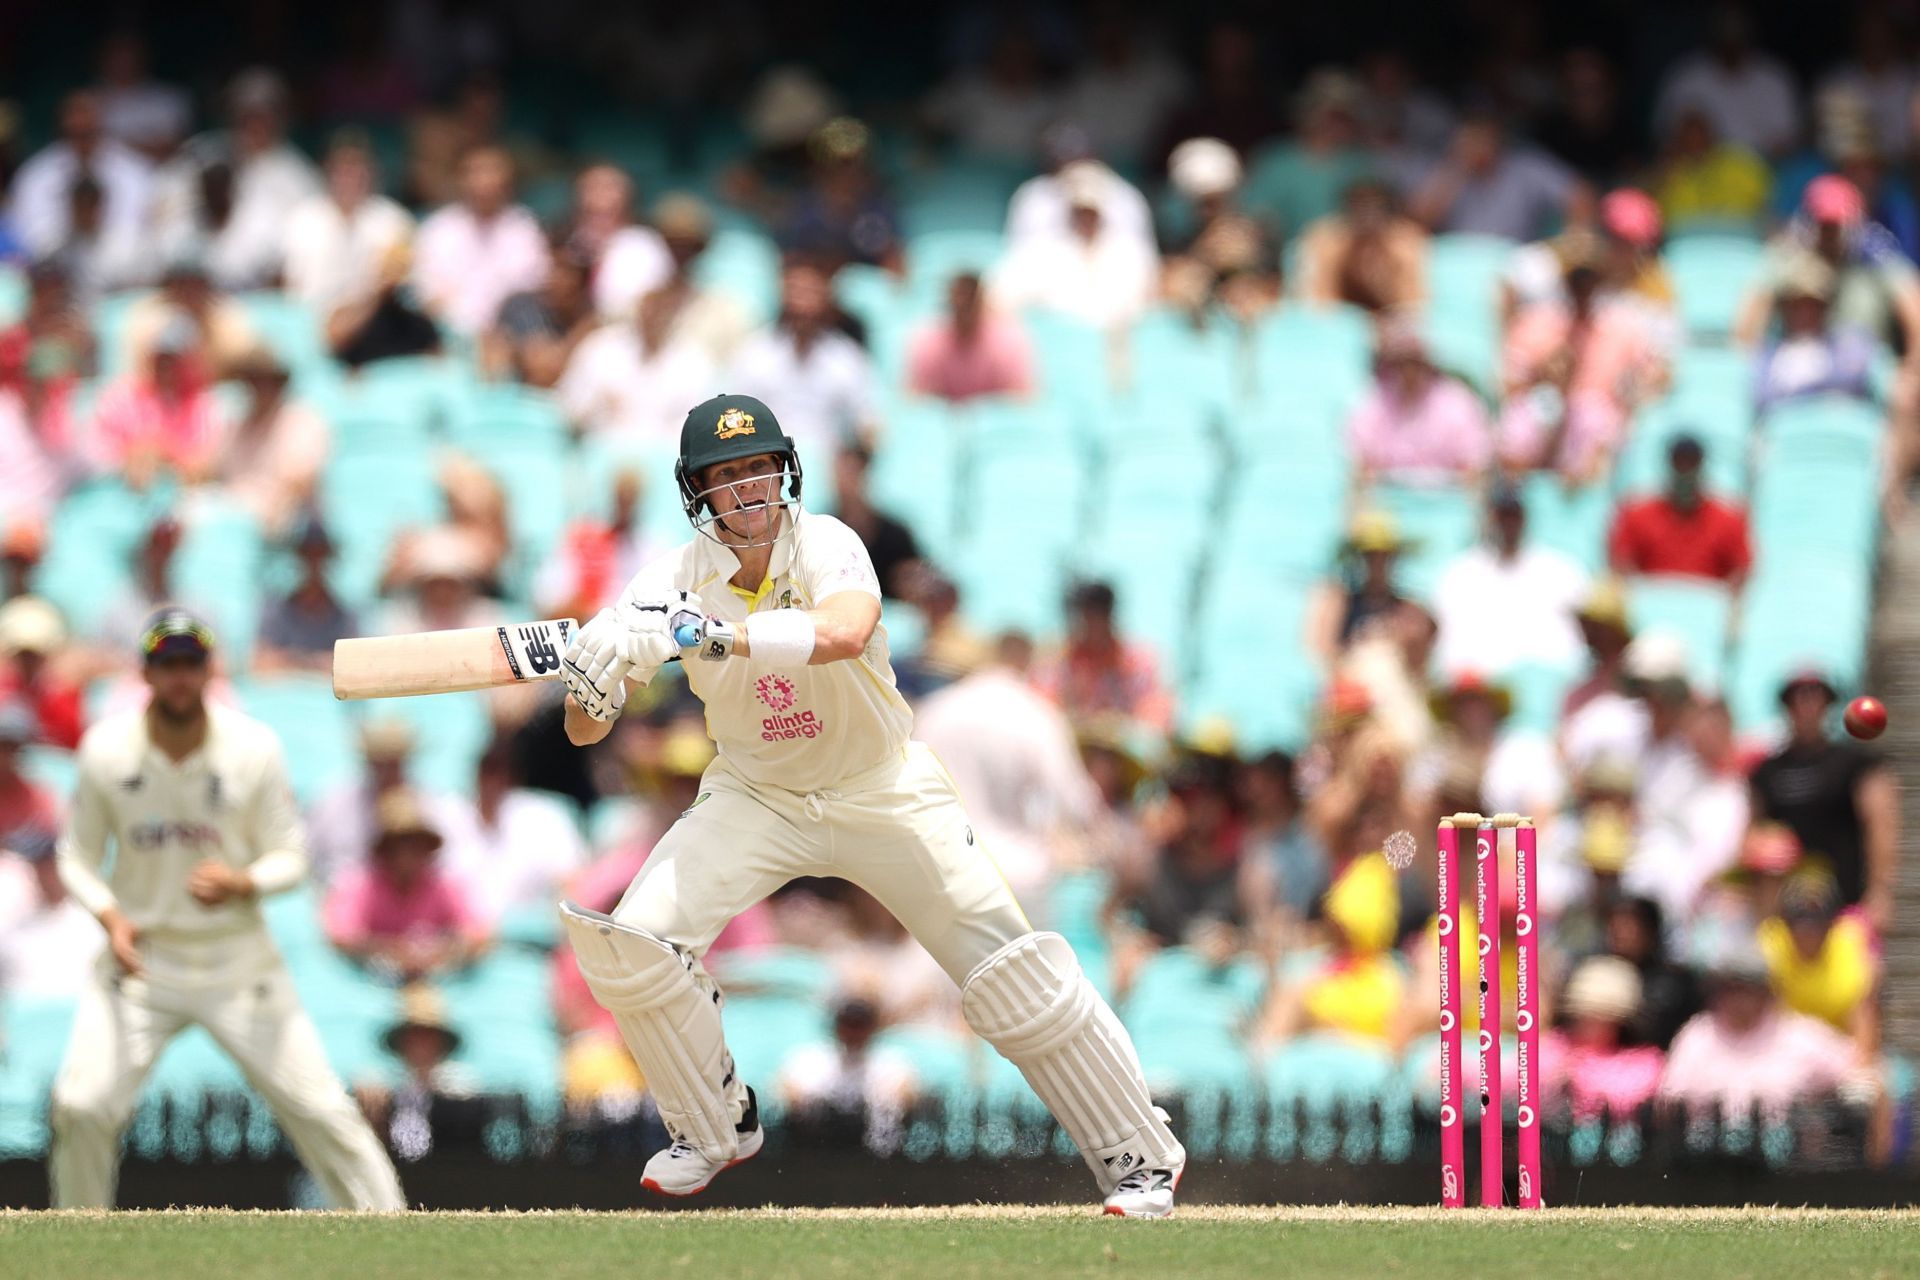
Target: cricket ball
1866, 717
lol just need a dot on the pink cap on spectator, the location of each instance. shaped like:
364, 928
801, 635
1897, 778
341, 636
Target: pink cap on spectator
1632, 216
1834, 199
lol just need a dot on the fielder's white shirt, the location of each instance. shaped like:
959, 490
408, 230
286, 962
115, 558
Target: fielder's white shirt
229, 801
806, 728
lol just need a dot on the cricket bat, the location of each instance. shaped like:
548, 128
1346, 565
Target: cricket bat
450, 661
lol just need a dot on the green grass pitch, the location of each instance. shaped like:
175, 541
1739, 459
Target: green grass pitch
987, 1242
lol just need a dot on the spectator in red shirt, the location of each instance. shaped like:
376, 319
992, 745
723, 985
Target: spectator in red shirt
974, 352
1098, 671
31, 638
1683, 531
29, 814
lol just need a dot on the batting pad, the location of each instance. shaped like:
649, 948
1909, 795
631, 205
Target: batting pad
670, 1020
1031, 1001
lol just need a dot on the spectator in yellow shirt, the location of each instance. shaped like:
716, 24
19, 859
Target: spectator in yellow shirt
1704, 184
1822, 962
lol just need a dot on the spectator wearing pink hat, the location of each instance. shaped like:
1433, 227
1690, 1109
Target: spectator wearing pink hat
1876, 288
1631, 229
1575, 371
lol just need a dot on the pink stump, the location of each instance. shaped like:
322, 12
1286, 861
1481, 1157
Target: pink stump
1453, 1153
1486, 902
1526, 993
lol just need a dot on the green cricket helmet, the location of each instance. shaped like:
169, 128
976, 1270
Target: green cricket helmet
723, 429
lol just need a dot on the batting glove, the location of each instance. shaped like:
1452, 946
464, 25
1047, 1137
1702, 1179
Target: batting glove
649, 625
595, 667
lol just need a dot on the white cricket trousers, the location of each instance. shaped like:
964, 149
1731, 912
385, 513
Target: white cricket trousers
898, 831
240, 991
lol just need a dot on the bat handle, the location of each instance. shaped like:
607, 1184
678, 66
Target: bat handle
686, 635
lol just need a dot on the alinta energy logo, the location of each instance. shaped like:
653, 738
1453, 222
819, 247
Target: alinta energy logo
776, 691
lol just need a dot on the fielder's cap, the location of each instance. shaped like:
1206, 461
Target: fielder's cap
29, 624
1604, 987
728, 427
386, 738
1809, 678
1201, 167
1631, 215
1806, 275
18, 724
422, 1009
402, 814
174, 632
1833, 199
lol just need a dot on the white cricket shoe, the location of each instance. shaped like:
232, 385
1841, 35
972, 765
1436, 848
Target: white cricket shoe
681, 1170
1146, 1193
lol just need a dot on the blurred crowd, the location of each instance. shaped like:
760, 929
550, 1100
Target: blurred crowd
1715, 906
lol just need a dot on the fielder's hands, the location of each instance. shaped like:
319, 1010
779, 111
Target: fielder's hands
123, 939
595, 666
650, 624
212, 883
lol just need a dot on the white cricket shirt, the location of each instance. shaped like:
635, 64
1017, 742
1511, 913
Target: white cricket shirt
801, 728
229, 801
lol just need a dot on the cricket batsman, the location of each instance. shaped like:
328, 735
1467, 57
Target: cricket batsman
779, 609
194, 801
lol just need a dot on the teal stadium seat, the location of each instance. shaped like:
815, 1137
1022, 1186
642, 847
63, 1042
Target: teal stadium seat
1075, 359
1572, 521
961, 194
314, 728
1700, 613
1189, 1020
91, 539
934, 257
367, 499
1170, 360
290, 329
220, 564
1722, 424
1313, 360
1711, 275
452, 730
13, 294
745, 265
1441, 522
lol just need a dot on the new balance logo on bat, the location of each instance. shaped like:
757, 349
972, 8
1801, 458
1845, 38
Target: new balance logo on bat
542, 656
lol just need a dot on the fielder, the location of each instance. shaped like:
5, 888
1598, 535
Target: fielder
195, 802
816, 776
